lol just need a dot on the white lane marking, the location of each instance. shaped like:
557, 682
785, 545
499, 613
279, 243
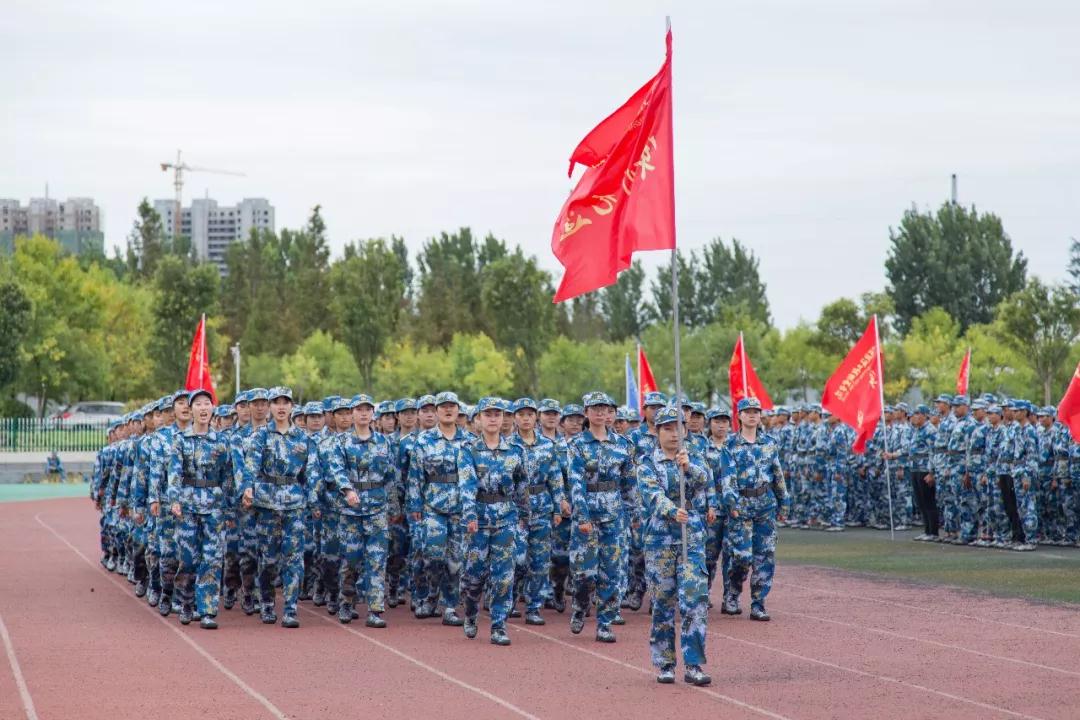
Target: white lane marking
635, 668
875, 676
423, 665
252, 692
934, 611
20, 682
948, 646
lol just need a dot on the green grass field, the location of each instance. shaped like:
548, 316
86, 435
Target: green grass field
1050, 573
15, 492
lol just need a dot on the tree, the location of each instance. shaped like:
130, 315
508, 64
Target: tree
569, 369
409, 370
842, 322
957, 260
146, 242
259, 300
367, 287
450, 286
321, 366
15, 316
1040, 323
995, 366
308, 258
932, 353
690, 311
626, 312
1074, 266
182, 294
797, 366
586, 321
478, 368
729, 276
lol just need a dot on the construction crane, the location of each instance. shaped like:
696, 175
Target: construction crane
179, 168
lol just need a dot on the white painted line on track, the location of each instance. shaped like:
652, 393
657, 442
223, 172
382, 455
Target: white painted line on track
423, 665
875, 676
20, 682
635, 668
909, 606
935, 643
251, 692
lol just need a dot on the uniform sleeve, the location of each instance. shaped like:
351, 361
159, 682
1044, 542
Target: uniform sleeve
728, 484
239, 466
174, 473
704, 490
414, 491
654, 501
467, 483
712, 499
253, 459
576, 471
521, 487
552, 475
95, 478
392, 483
777, 474
223, 470
123, 488
630, 498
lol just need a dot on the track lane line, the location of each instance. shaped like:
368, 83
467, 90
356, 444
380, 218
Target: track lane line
635, 668
250, 691
875, 676
20, 681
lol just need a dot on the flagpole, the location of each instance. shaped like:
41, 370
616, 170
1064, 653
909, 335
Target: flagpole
678, 363
884, 428
202, 346
742, 361
637, 379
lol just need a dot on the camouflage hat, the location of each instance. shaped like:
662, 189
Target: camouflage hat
633, 415
548, 405
447, 397
654, 398
572, 409
258, 394
165, 403
1043, 412
385, 407
313, 408
979, 404
279, 391
196, 393
749, 403
815, 408
242, 397
888, 409
960, 400
328, 402
296, 410
405, 404
666, 415
425, 400
489, 403
922, 409
525, 403
782, 410
597, 398
684, 400
994, 409
944, 398
225, 410
622, 413
903, 407
361, 399
697, 407
718, 412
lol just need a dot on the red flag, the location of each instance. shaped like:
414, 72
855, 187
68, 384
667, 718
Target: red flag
625, 201
743, 381
198, 369
1069, 407
854, 392
646, 381
964, 374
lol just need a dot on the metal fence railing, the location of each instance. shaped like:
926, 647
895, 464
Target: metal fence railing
33, 435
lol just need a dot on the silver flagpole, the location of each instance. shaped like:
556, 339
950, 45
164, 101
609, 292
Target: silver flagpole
884, 428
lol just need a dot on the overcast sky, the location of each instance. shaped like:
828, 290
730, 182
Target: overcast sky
804, 129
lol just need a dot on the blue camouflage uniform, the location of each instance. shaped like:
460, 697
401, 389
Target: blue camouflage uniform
561, 533
642, 443
839, 461
716, 553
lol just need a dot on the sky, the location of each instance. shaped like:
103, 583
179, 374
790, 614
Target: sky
803, 129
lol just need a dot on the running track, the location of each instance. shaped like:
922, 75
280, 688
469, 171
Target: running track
79, 644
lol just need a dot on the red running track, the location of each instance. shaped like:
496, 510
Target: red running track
82, 646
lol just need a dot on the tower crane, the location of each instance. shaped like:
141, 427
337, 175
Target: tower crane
179, 168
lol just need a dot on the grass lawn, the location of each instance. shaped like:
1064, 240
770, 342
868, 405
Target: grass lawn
14, 492
1049, 573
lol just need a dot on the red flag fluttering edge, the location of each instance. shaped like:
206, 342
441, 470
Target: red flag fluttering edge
743, 381
646, 381
625, 200
1069, 407
964, 375
854, 392
198, 371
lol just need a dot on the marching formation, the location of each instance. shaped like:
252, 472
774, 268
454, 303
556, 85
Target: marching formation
453, 508
990, 472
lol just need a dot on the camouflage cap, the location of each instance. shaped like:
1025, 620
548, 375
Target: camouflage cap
903, 407
226, 410
960, 400
425, 400
979, 404
622, 413
258, 394
944, 398
296, 410
994, 409
405, 404
697, 407
279, 391
594, 399
242, 397
633, 415
718, 412
666, 415
548, 405
922, 409
385, 407
361, 399
654, 398
572, 409
196, 393
782, 410
489, 403
749, 403
447, 397
313, 408
525, 403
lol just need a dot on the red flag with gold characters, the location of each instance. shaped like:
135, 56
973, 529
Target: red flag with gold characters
964, 374
198, 370
743, 381
854, 393
646, 381
1069, 407
625, 201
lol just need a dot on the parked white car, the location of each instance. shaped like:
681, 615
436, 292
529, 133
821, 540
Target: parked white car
91, 412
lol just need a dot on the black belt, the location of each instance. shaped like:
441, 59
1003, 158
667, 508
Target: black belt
200, 483
605, 486
444, 478
360, 487
490, 498
541, 488
754, 492
280, 480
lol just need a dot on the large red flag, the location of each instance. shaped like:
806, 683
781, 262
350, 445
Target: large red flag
854, 392
743, 381
625, 201
198, 369
1069, 407
964, 374
646, 381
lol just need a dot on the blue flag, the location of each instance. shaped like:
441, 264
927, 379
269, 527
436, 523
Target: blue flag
632, 400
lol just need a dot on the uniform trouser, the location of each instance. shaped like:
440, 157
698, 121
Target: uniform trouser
231, 570
947, 497
837, 504
281, 549
1027, 508
330, 545
364, 540
636, 582
397, 556
200, 539
248, 522
489, 558
596, 561
560, 557
1070, 505
1049, 505
140, 536
902, 499
103, 535
150, 557
538, 560
926, 501
984, 498
442, 557
311, 551
168, 553
967, 503
1008, 500
521, 559
717, 552
419, 589
753, 546
797, 511
674, 580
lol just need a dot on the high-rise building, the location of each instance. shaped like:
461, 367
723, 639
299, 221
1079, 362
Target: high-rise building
75, 223
212, 228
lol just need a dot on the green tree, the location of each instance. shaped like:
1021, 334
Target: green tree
626, 312
995, 366
366, 300
409, 370
569, 369
1074, 266
182, 293
1040, 323
147, 242
797, 366
478, 368
321, 366
586, 320
308, 258
15, 317
691, 312
932, 353
449, 292
957, 260
729, 276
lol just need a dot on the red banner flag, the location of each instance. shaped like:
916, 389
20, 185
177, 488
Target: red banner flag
1069, 407
198, 369
743, 381
625, 201
964, 374
646, 381
854, 392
